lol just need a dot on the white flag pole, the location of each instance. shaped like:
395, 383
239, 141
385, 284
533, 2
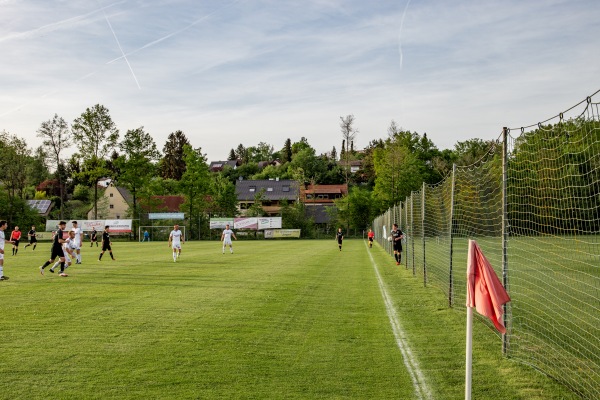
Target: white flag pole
469, 360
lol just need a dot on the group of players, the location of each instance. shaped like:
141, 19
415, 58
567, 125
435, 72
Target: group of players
66, 249
69, 248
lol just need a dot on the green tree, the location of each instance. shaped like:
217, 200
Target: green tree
137, 165
286, 152
195, 184
223, 196
299, 146
348, 133
172, 165
56, 137
232, 156
14, 156
95, 135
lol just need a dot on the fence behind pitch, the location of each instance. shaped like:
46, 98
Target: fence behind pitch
533, 205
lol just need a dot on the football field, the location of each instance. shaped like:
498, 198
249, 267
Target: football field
294, 319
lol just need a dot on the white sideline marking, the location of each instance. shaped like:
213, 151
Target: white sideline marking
410, 362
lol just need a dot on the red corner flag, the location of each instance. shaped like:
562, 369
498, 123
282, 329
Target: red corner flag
484, 290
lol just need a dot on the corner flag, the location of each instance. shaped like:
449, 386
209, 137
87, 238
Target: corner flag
486, 293
484, 290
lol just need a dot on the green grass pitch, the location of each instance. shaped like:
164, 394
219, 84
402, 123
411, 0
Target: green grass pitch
275, 320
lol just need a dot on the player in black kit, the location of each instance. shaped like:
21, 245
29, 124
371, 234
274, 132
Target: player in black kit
106, 244
339, 236
57, 250
32, 237
397, 237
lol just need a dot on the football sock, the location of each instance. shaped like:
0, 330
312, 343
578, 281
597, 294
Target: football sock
46, 264
111, 255
62, 267
100, 258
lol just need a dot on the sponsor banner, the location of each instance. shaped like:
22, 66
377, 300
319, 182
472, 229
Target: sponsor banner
269, 223
219, 223
40, 236
282, 233
118, 225
93, 223
245, 223
166, 215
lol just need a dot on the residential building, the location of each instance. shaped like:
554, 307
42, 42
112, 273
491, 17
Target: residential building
273, 193
216, 166
317, 198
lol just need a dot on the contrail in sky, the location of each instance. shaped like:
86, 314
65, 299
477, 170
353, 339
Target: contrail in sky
122, 52
170, 35
55, 25
400, 33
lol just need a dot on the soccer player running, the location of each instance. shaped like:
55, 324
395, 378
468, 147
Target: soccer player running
94, 237
15, 238
57, 250
397, 237
77, 240
3, 226
106, 243
339, 236
69, 247
226, 238
371, 237
32, 235
175, 240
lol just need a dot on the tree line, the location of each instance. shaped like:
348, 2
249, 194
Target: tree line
390, 169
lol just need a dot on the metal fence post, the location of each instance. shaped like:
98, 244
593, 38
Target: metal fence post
451, 225
505, 228
423, 233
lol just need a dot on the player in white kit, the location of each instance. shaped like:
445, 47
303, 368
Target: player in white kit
176, 239
77, 241
69, 248
3, 226
226, 238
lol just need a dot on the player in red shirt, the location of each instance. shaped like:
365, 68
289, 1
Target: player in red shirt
371, 236
15, 237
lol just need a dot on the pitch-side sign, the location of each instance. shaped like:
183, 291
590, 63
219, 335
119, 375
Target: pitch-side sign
282, 233
115, 225
269, 223
166, 215
219, 223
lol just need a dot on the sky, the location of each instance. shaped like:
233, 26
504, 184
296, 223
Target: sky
250, 71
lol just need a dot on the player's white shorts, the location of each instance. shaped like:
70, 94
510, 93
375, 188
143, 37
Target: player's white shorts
227, 242
176, 246
76, 246
2, 256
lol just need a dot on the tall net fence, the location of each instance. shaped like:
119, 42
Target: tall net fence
533, 205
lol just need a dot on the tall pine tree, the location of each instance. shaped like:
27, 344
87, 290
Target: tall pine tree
172, 165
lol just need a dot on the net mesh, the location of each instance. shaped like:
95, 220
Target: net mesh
540, 233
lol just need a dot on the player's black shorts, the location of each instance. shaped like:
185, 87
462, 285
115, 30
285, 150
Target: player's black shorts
32, 240
398, 246
106, 247
16, 242
339, 241
57, 252
370, 239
